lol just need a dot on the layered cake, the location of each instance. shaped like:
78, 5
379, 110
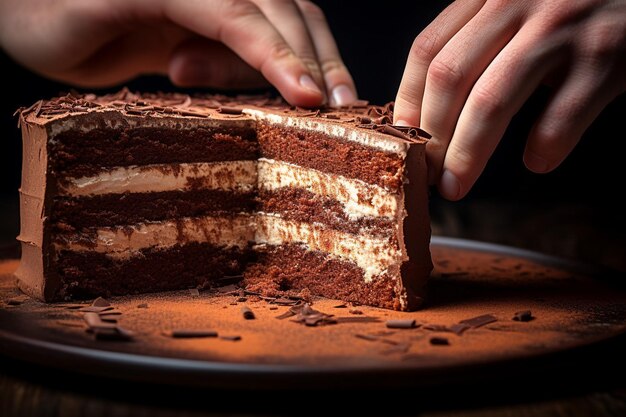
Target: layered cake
129, 193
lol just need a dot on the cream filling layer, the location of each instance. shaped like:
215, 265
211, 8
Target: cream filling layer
354, 135
125, 242
358, 198
230, 176
373, 255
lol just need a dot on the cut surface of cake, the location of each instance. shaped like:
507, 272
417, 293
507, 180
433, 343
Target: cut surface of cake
128, 193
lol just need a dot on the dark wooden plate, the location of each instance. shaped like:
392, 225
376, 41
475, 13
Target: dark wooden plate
577, 310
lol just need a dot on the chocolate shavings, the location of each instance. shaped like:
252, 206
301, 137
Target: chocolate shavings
229, 110
394, 132
401, 324
439, 341
368, 337
308, 316
94, 309
191, 333
100, 302
357, 319
116, 333
248, 314
479, 321
523, 316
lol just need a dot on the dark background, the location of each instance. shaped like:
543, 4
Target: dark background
572, 212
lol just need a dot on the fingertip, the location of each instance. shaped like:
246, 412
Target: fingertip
401, 122
184, 72
306, 82
405, 119
403, 115
302, 91
536, 163
342, 95
450, 186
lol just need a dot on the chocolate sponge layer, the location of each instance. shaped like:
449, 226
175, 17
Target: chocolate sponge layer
331, 155
76, 153
124, 209
293, 267
91, 274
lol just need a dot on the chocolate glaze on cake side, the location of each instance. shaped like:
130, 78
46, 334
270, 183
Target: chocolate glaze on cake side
130, 193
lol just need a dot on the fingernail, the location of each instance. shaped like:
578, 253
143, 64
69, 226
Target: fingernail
401, 122
342, 96
307, 82
449, 185
535, 163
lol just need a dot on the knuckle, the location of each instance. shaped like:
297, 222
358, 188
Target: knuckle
424, 47
238, 9
309, 61
280, 50
605, 39
500, 6
463, 158
312, 64
488, 102
277, 4
311, 10
446, 72
332, 65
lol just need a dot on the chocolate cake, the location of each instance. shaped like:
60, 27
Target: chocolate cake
129, 193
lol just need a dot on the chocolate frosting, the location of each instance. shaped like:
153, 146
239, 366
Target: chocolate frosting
358, 115
46, 118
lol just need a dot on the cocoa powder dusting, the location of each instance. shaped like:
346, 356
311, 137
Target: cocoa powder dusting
567, 309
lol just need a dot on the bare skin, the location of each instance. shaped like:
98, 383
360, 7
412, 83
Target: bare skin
466, 76
476, 64
216, 43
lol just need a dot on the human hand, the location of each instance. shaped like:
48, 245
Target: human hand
475, 65
216, 43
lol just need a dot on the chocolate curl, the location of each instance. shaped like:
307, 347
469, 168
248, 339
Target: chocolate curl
375, 112
382, 120
229, 110
394, 132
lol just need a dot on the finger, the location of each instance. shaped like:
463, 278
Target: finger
497, 95
199, 62
241, 26
455, 69
425, 47
339, 84
580, 99
289, 22
125, 57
